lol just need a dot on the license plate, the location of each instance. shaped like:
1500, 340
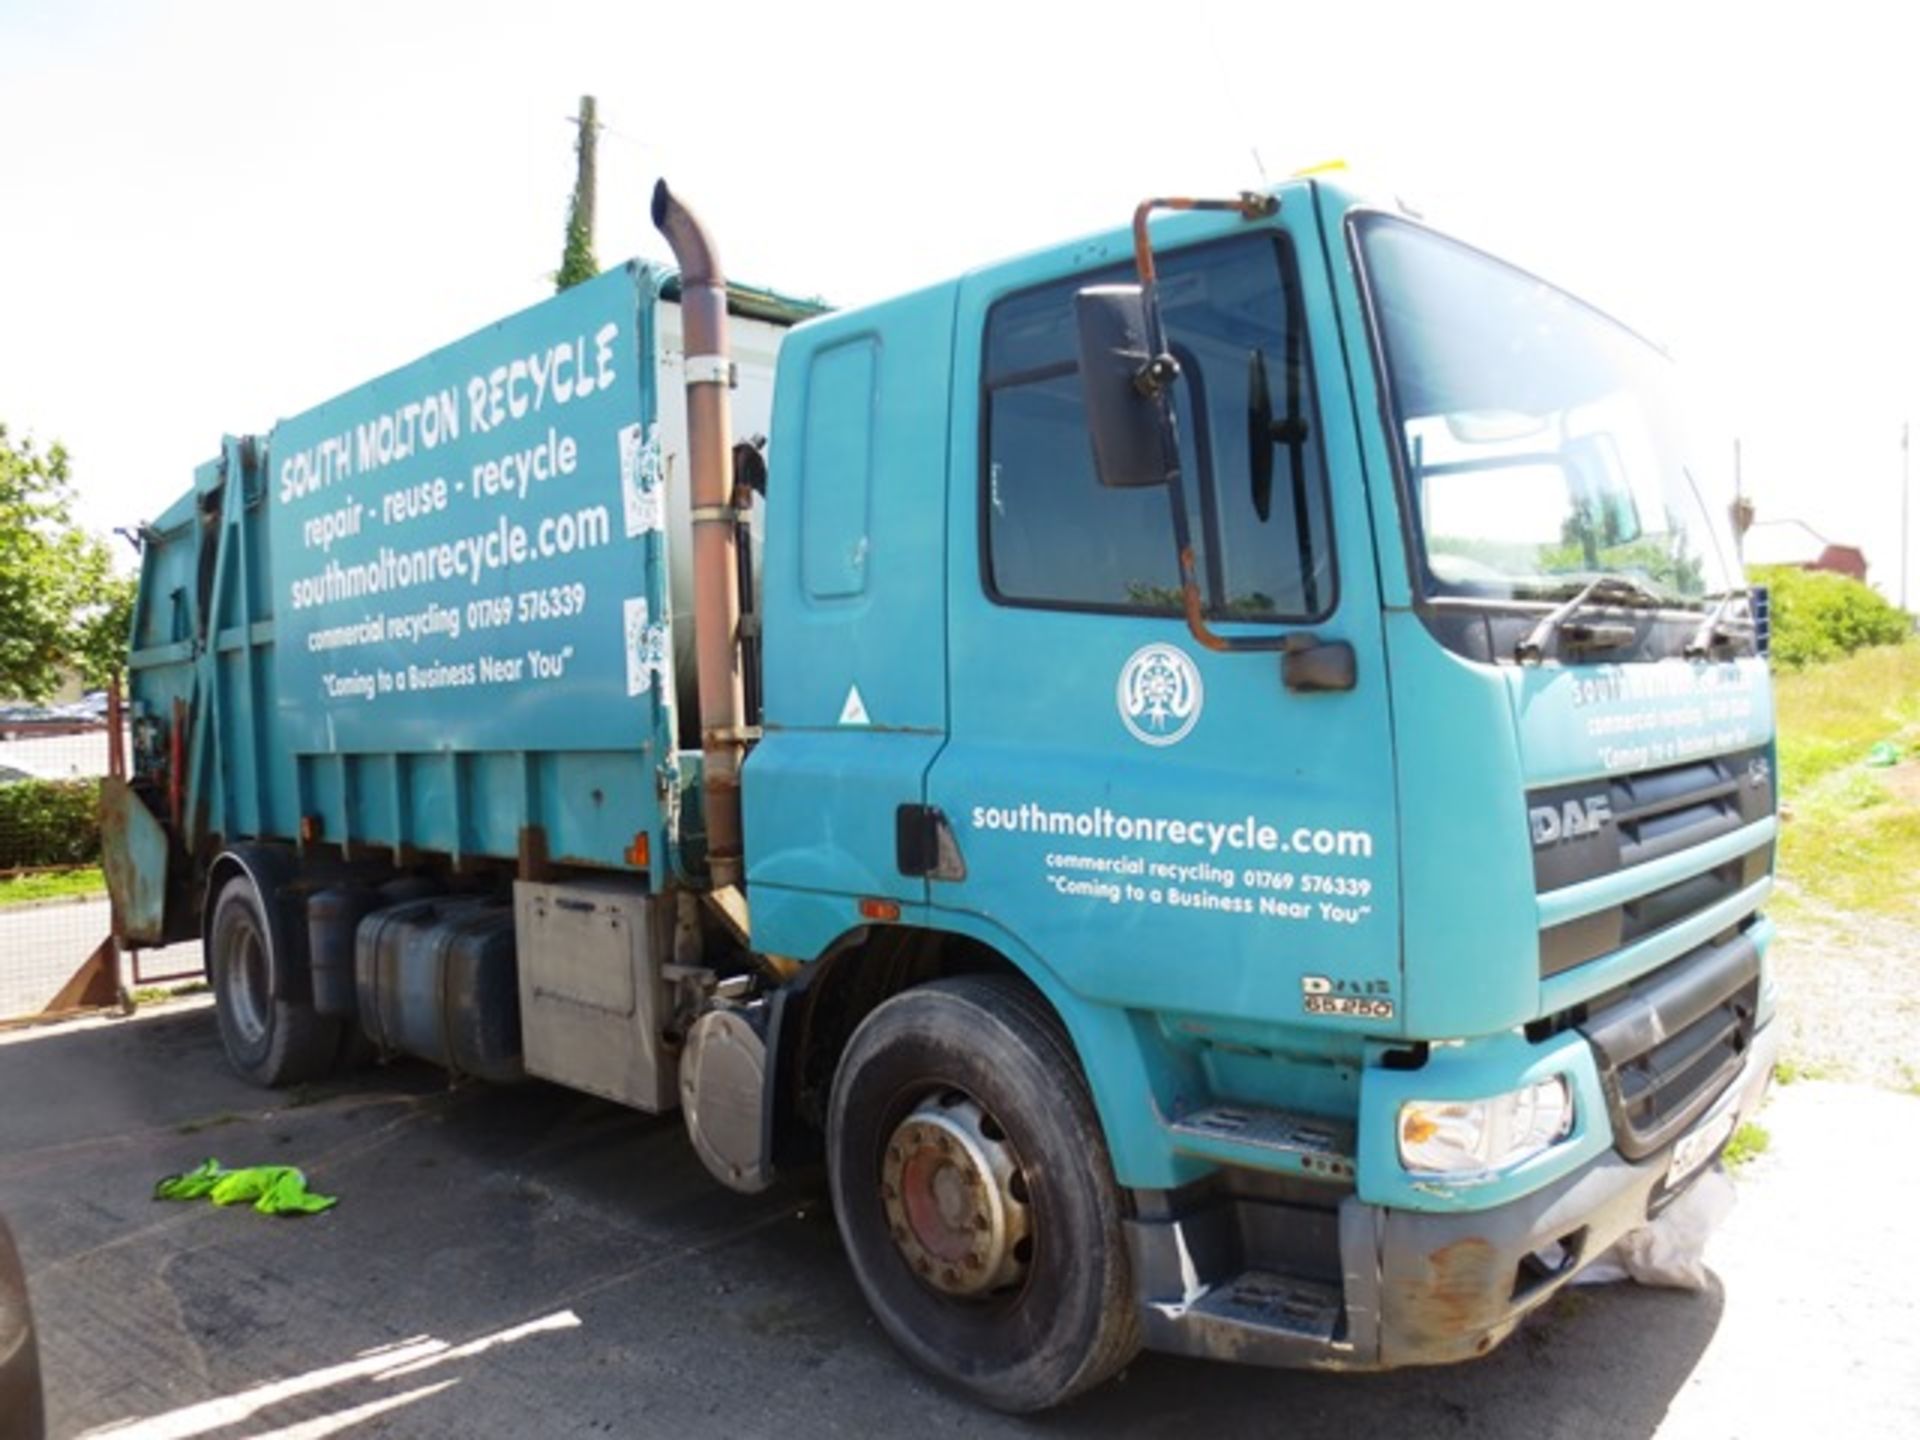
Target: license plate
1699, 1145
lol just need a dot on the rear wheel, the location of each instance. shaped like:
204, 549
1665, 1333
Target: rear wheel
974, 1194
269, 1040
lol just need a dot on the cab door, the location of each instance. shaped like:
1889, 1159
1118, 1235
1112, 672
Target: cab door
1165, 827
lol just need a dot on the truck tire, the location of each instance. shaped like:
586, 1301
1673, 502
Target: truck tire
974, 1194
270, 1041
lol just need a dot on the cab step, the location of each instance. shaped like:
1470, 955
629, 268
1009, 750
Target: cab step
1256, 1317
1267, 1140
1263, 1301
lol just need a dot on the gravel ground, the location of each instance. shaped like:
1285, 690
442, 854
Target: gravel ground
1849, 996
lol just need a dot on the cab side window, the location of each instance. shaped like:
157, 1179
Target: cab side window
1055, 538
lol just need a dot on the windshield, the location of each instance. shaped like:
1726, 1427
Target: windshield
1543, 443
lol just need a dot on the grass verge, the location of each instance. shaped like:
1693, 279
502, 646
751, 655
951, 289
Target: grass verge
1848, 908
1851, 840
51, 885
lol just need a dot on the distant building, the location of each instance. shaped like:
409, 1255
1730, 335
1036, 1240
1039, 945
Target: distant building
1795, 543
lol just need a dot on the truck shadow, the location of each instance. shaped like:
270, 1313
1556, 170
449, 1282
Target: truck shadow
526, 1260
1605, 1361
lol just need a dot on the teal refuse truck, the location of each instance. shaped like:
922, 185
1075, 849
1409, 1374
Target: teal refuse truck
1218, 777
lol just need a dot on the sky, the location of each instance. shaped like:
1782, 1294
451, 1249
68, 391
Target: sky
213, 215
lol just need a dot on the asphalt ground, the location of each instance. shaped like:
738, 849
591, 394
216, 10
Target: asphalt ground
529, 1262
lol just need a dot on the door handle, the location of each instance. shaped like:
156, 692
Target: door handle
1309, 663
924, 844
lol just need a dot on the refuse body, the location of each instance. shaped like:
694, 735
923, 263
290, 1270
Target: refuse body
273, 1189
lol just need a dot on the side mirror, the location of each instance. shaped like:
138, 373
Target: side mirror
1120, 381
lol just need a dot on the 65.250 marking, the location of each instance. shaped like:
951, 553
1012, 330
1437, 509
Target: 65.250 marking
1360, 1005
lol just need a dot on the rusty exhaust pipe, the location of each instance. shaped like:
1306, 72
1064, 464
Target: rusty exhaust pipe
716, 578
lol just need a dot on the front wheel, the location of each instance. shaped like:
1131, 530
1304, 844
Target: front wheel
269, 1040
974, 1194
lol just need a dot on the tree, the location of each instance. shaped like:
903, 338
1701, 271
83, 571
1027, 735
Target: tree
101, 632
1819, 616
577, 262
56, 580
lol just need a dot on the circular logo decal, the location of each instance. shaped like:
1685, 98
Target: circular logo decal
1159, 694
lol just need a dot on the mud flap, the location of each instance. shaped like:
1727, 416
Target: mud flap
134, 851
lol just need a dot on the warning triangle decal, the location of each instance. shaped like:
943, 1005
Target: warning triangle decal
854, 712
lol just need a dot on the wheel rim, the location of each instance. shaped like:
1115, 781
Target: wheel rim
247, 985
956, 1198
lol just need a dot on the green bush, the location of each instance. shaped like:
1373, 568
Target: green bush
49, 822
1818, 615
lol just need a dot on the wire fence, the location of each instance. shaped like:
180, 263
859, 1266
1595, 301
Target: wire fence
54, 910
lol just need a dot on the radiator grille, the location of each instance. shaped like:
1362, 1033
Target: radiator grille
1651, 814
1669, 1044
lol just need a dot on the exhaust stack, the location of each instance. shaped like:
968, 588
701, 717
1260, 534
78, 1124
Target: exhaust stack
716, 579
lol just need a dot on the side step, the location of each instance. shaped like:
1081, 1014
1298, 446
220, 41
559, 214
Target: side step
1257, 1318
1267, 1140
1261, 1301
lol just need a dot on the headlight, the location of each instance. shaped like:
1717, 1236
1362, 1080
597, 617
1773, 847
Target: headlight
1465, 1137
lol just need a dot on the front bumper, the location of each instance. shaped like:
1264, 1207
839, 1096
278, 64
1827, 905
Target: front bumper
1415, 1288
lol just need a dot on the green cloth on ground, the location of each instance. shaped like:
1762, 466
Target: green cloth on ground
1883, 754
273, 1189
190, 1186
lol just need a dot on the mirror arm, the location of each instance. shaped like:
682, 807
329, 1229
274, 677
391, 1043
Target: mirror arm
1160, 370
1249, 205
1190, 371
1190, 587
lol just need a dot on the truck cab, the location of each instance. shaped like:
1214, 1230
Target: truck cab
1411, 953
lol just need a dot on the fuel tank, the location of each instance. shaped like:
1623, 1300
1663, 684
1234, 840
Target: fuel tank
436, 978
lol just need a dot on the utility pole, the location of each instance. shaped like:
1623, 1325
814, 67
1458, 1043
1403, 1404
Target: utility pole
577, 262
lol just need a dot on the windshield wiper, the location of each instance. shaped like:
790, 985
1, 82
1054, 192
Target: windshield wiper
1709, 636
1532, 650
